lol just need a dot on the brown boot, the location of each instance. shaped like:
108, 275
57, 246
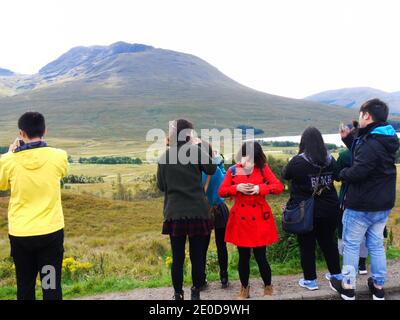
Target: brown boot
268, 290
244, 293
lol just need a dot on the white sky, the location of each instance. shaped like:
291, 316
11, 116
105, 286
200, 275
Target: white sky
288, 47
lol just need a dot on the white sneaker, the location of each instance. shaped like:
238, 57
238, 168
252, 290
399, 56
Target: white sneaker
308, 284
328, 276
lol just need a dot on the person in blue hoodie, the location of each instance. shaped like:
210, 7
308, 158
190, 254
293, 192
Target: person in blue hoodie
220, 214
370, 197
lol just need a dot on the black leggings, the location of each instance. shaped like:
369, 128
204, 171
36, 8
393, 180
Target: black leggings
221, 250
324, 234
196, 252
263, 265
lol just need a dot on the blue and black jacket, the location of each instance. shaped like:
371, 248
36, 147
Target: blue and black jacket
372, 175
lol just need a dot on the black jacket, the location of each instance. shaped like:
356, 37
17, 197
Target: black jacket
302, 174
372, 175
181, 182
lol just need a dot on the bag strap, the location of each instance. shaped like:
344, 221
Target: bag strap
232, 169
316, 187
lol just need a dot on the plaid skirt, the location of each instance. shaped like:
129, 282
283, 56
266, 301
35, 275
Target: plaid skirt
188, 227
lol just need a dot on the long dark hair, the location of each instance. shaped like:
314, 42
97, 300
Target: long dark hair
313, 146
252, 148
178, 126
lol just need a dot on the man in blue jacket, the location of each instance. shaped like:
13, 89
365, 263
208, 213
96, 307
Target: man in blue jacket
370, 197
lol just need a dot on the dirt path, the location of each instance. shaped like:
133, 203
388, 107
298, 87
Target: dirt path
285, 287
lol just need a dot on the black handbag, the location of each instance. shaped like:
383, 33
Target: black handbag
299, 218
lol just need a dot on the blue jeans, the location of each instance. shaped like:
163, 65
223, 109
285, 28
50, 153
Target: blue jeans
356, 226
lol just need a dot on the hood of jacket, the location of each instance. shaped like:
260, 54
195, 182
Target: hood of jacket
32, 159
387, 136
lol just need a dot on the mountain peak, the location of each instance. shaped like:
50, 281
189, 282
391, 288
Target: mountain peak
87, 57
124, 47
353, 98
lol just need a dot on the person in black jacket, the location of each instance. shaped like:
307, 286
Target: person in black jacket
186, 207
313, 165
370, 196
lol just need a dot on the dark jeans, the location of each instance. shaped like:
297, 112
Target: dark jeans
324, 234
221, 250
38, 254
196, 252
261, 259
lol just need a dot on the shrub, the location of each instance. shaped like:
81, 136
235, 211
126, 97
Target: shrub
73, 269
110, 160
74, 179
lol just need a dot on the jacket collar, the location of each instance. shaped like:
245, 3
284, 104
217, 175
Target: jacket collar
369, 128
32, 145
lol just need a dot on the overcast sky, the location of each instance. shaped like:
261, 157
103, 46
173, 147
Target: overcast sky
292, 48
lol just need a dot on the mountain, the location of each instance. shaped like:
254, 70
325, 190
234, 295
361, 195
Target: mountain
123, 90
6, 73
354, 97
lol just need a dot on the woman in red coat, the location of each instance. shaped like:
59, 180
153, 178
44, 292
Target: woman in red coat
251, 224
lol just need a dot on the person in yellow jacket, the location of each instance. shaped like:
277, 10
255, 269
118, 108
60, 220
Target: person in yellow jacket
33, 172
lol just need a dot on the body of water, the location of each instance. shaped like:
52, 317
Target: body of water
328, 138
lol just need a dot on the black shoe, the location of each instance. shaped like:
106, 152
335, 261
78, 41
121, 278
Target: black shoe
195, 293
204, 286
178, 296
377, 294
224, 280
346, 294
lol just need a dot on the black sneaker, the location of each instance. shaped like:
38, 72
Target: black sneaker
346, 294
195, 293
178, 296
377, 294
224, 280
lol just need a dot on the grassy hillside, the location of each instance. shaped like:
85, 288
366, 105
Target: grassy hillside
117, 246
120, 92
77, 114
354, 97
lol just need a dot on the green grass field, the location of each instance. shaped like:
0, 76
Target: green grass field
116, 245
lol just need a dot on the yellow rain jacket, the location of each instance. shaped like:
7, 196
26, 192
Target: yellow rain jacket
34, 177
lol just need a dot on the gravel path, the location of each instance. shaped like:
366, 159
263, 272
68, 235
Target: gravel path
285, 287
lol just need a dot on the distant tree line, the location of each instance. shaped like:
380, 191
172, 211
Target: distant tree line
284, 144
75, 179
279, 143
244, 127
110, 160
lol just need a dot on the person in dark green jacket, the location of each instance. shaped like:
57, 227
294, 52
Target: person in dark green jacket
186, 207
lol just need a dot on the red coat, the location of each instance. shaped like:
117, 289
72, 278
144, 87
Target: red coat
251, 223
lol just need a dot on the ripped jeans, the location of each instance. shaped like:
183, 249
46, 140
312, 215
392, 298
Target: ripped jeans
356, 226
